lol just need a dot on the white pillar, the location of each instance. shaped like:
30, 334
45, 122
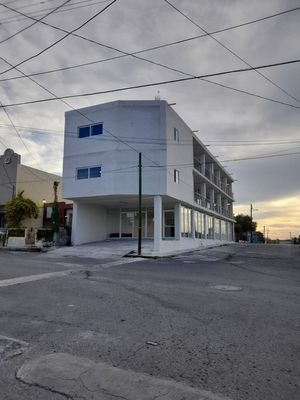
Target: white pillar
74, 223
218, 176
202, 164
177, 221
203, 193
219, 203
157, 222
212, 199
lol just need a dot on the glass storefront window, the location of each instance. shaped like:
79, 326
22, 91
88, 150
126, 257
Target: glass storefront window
210, 227
199, 224
217, 229
186, 230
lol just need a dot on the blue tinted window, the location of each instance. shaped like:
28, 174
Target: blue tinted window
96, 129
95, 172
82, 173
84, 131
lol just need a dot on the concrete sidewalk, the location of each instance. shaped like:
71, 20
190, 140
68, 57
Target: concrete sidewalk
121, 247
76, 377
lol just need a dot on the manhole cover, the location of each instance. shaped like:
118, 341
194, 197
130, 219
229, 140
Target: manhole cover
227, 288
11, 347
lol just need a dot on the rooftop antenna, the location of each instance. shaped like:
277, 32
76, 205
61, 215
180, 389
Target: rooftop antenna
157, 96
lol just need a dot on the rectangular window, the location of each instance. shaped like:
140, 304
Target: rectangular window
82, 173
90, 130
176, 135
84, 131
49, 212
95, 172
176, 176
199, 225
97, 129
186, 230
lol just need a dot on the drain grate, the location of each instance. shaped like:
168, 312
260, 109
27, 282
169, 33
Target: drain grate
228, 288
10, 347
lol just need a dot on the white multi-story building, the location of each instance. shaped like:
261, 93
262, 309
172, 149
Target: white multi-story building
187, 194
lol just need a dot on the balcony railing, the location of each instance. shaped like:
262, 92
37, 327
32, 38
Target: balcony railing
206, 203
212, 177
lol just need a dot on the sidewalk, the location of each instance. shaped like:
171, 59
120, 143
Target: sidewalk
122, 247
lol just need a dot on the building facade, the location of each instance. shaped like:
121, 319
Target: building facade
37, 185
187, 194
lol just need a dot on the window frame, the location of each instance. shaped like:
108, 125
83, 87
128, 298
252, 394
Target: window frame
89, 172
90, 128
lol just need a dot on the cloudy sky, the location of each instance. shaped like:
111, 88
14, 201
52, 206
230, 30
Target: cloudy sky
235, 125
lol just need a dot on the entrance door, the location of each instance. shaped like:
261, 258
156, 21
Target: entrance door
169, 224
130, 224
127, 222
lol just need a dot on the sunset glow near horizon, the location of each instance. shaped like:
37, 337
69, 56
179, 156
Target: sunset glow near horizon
279, 216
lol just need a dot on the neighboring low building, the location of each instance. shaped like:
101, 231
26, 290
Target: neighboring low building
187, 193
36, 184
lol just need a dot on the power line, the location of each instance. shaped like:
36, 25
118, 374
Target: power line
155, 63
148, 140
35, 22
61, 39
124, 54
38, 13
230, 50
165, 83
146, 49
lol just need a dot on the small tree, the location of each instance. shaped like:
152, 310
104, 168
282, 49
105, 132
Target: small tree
244, 224
18, 209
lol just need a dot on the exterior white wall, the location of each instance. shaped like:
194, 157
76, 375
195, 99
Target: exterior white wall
141, 124
180, 152
89, 223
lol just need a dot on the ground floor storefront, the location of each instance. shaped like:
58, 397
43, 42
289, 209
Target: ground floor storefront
163, 220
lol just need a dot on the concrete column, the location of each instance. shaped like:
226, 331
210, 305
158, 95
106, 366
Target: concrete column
211, 171
212, 199
157, 223
203, 193
74, 223
218, 176
177, 220
219, 202
193, 223
202, 162
224, 183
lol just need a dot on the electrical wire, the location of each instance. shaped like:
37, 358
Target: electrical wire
122, 89
61, 39
38, 13
35, 22
163, 65
231, 51
149, 48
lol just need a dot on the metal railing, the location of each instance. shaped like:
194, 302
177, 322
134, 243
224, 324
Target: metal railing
212, 177
206, 203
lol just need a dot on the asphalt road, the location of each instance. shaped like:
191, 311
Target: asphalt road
242, 343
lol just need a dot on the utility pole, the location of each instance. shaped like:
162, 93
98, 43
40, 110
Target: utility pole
140, 206
264, 235
251, 211
251, 214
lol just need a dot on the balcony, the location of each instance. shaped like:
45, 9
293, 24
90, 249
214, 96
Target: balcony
207, 173
206, 203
